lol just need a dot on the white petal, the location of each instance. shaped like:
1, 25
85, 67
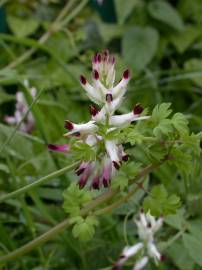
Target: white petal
99, 87
92, 93
120, 89
153, 252
91, 140
120, 120
158, 224
141, 263
112, 150
131, 251
143, 220
88, 127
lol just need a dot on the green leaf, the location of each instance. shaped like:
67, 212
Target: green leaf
182, 161
75, 199
180, 123
120, 181
22, 27
194, 247
192, 142
84, 228
132, 136
161, 111
123, 11
83, 151
180, 256
183, 40
164, 127
159, 202
139, 46
164, 12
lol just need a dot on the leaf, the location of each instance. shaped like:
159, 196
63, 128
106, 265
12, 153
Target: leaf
164, 12
75, 199
22, 27
120, 181
164, 127
193, 142
139, 46
84, 228
180, 256
194, 247
161, 111
183, 40
177, 220
132, 136
180, 123
159, 202
124, 10
83, 151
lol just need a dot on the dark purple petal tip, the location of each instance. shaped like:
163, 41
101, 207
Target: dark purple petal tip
93, 110
126, 74
138, 109
116, 165
95, 74
125, 157
58, 147
69, 125
83, 80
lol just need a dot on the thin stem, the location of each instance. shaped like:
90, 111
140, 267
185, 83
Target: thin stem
38, 182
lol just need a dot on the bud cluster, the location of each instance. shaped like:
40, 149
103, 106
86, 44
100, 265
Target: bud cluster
107, 99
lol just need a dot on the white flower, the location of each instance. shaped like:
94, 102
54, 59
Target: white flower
147, 226
21, 108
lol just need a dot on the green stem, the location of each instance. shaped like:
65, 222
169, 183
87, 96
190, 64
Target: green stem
65, 224
38, 182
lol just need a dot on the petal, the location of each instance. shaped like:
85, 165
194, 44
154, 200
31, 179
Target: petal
131, 251
153, 251
59, 147
141, 263
88, 127
91, 92
120, 120
120, 89
112, 150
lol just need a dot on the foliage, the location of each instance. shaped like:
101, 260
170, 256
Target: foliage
160, 41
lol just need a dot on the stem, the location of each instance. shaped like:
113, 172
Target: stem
38, 182
65, 224
36, 242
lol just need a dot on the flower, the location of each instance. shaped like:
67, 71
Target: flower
147, 226
21, 108
107, 98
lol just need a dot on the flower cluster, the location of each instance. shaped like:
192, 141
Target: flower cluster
147, 226
21, 108
108, 97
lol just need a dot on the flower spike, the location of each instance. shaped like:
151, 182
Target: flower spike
107, 98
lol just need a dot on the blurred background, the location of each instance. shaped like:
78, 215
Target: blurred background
48, 44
